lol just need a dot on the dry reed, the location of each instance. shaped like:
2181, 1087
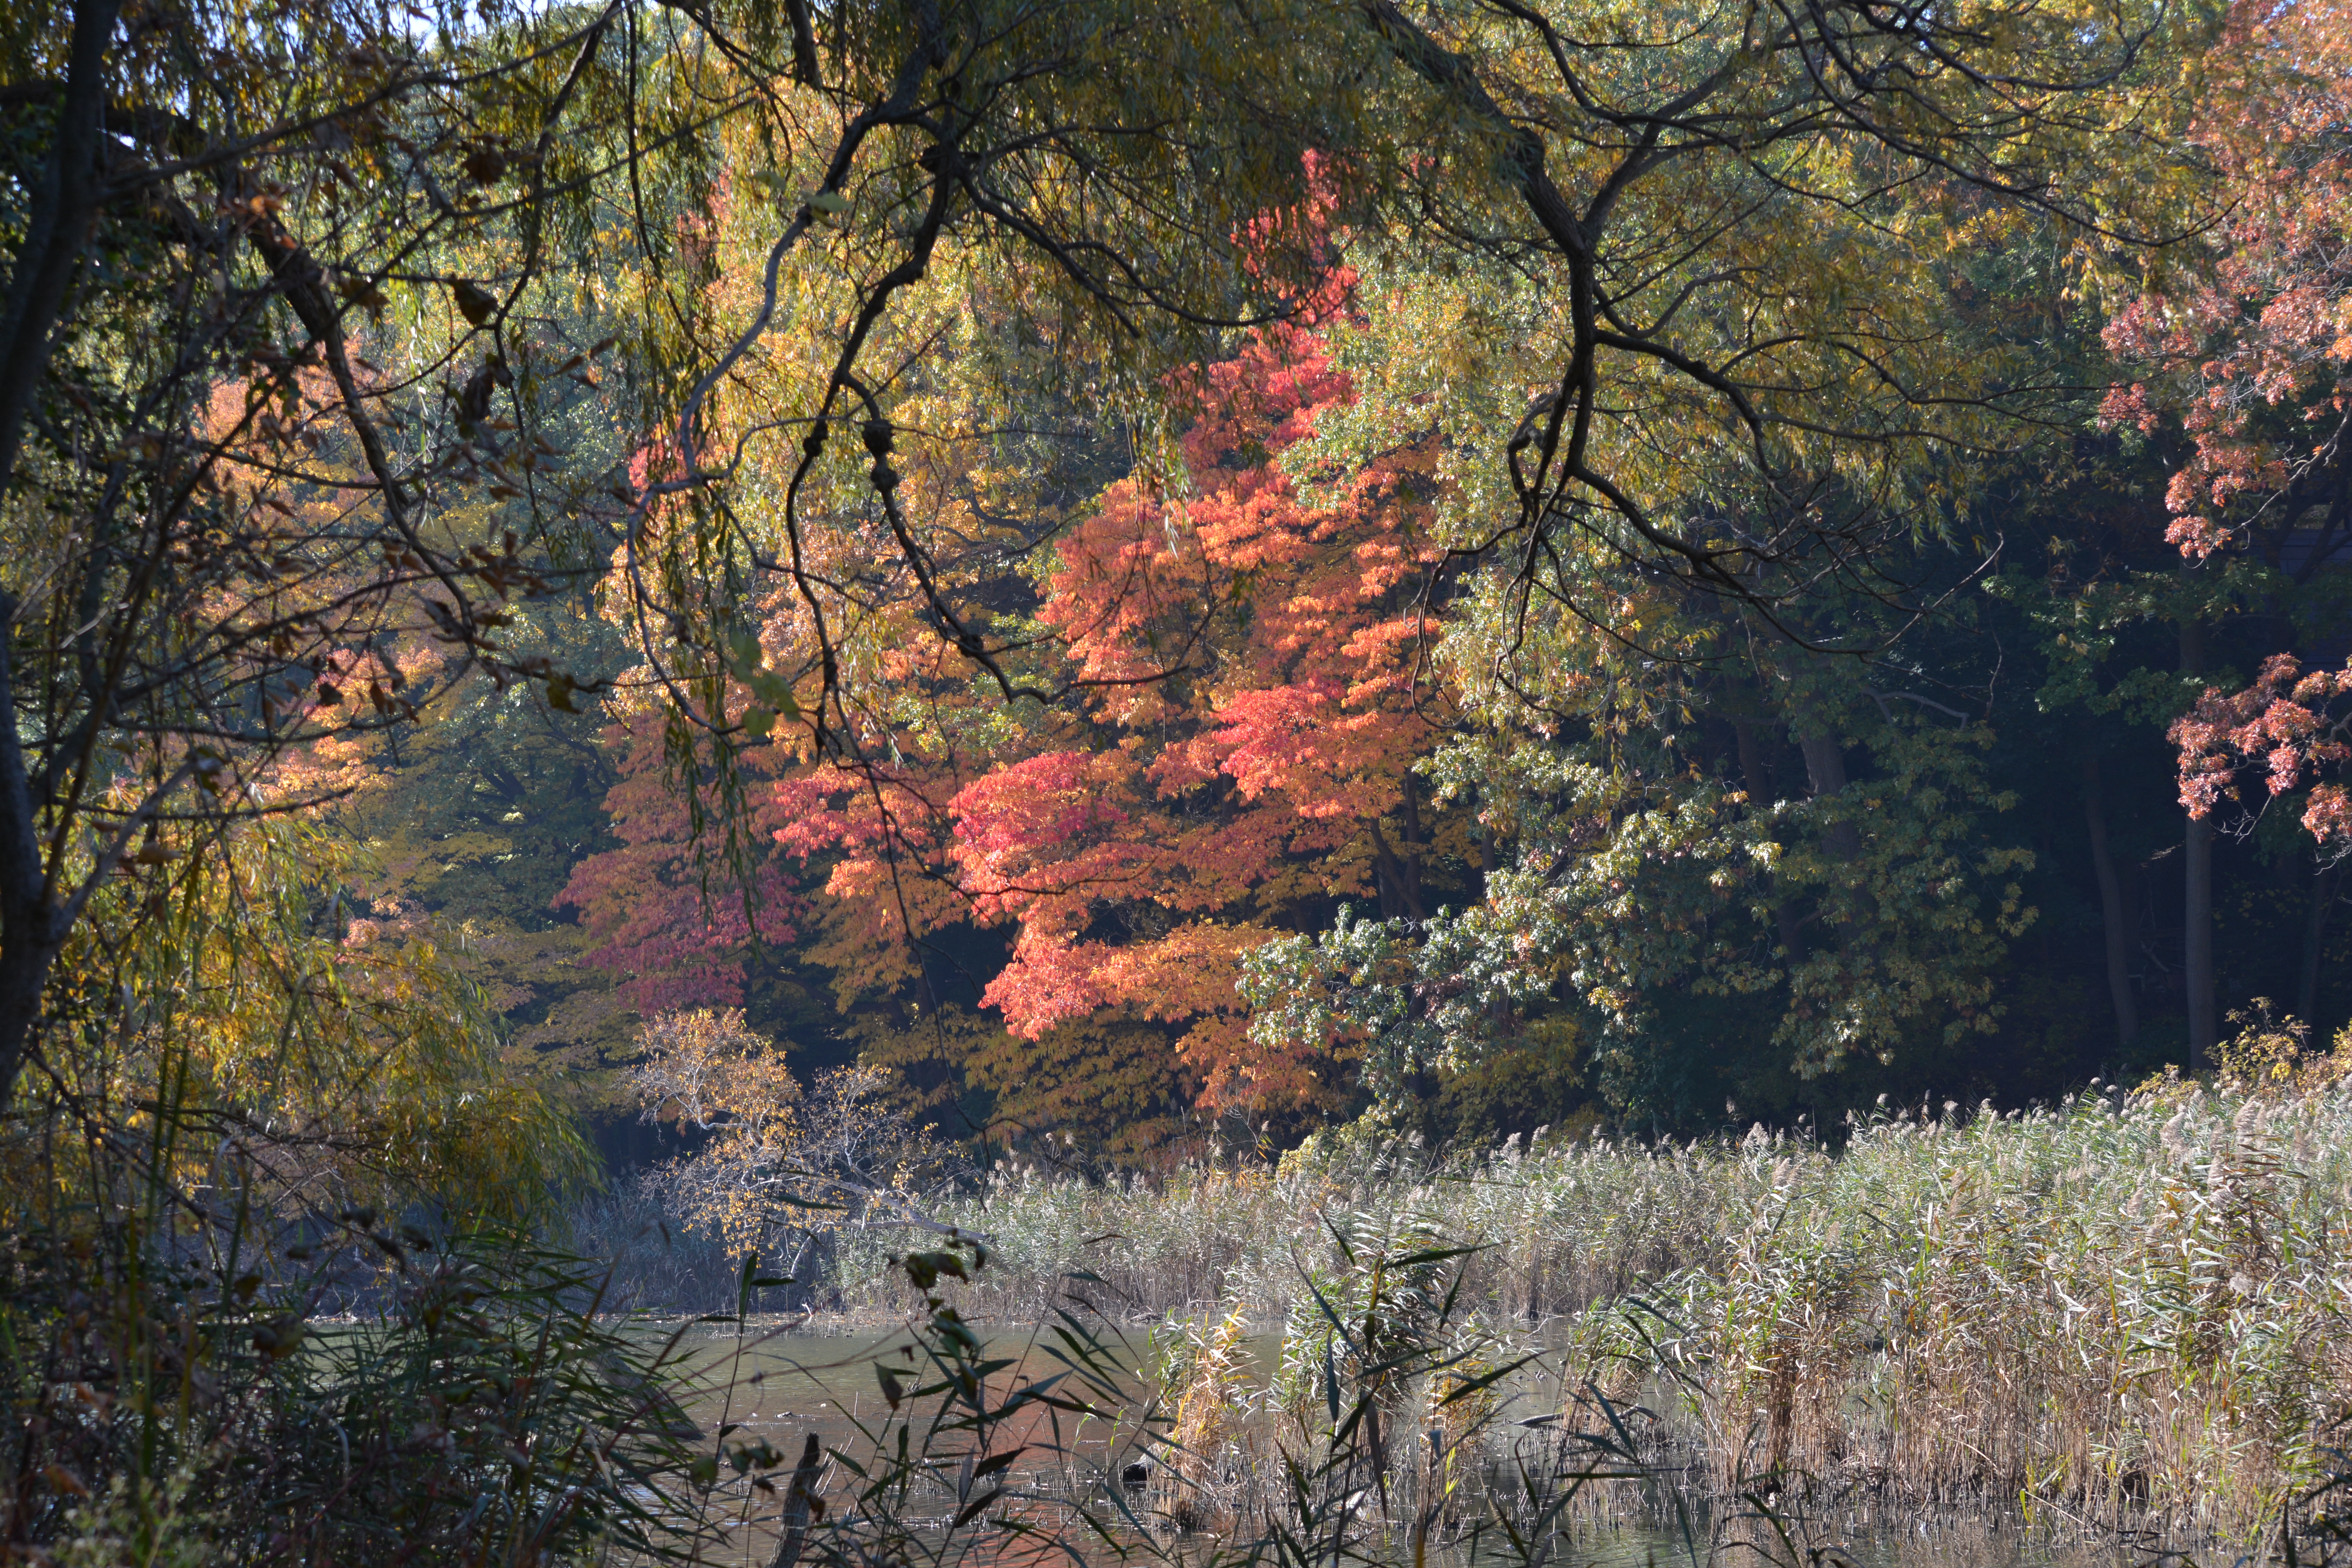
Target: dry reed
2122, 1307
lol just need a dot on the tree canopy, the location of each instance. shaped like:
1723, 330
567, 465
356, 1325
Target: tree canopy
1147, 563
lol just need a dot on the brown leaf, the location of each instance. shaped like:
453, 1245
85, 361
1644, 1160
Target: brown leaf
359, 291
473, 303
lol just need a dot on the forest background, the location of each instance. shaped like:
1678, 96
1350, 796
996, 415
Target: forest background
1800, 623
1131, 755
1500, 576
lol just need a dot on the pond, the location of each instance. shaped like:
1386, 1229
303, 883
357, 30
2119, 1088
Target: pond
781, 1387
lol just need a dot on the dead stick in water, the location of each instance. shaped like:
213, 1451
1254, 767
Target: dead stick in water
800, 1502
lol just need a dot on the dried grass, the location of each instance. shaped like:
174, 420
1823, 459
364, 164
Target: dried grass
2122, 1308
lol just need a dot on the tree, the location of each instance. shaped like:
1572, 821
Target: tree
1715, 252
1184, 813
268, 327
2239, 339
668, 909
1727, 260
2242, 332
2288, 724
779, 1170
1647, 857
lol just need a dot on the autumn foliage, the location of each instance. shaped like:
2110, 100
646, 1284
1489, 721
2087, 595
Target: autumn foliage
2289, 728
1244, 653
668, 910
2249, 336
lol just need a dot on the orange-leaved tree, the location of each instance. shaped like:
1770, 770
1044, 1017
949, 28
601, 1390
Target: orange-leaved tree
2246, 343
1244, 649
2292, 727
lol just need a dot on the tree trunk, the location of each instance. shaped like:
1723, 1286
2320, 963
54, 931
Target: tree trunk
1400, 890
2323, 884
2197, 947
2196, 943
1758, 780
1413, 847
63, 208
2111, 902
29, 938
1825, 771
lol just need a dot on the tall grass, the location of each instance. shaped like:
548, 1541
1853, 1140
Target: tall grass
1560, 1226
2123, 1307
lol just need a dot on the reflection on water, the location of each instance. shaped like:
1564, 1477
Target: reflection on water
779, 1384
782, 1386
1861, 1538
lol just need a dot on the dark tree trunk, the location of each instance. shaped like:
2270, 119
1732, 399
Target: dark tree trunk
64, 207
2196, 887
29, 937
1757, 777
2324, 886
1825, 772
1400, 887
2114, 920
62, 211
1413, 845
2197, 947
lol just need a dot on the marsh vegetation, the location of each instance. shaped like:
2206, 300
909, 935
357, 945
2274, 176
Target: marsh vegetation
2128, 1312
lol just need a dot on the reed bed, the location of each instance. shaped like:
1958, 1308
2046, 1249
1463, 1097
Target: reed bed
2128, 1308
2124, 1308
1560, 1226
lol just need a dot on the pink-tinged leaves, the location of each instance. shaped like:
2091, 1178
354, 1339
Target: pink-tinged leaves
2283, 726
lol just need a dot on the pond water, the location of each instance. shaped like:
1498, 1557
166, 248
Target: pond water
782, 1386
1985, 1538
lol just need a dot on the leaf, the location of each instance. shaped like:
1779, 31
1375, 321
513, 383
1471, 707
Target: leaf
473, 303
994, 1463
925, 1267
775, 691
364, 293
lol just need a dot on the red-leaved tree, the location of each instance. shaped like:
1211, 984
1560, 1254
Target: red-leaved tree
2247, 339
1236, 756
2291, 728
675, 909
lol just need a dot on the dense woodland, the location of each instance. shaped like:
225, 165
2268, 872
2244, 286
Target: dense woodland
1777, 606
866, 587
